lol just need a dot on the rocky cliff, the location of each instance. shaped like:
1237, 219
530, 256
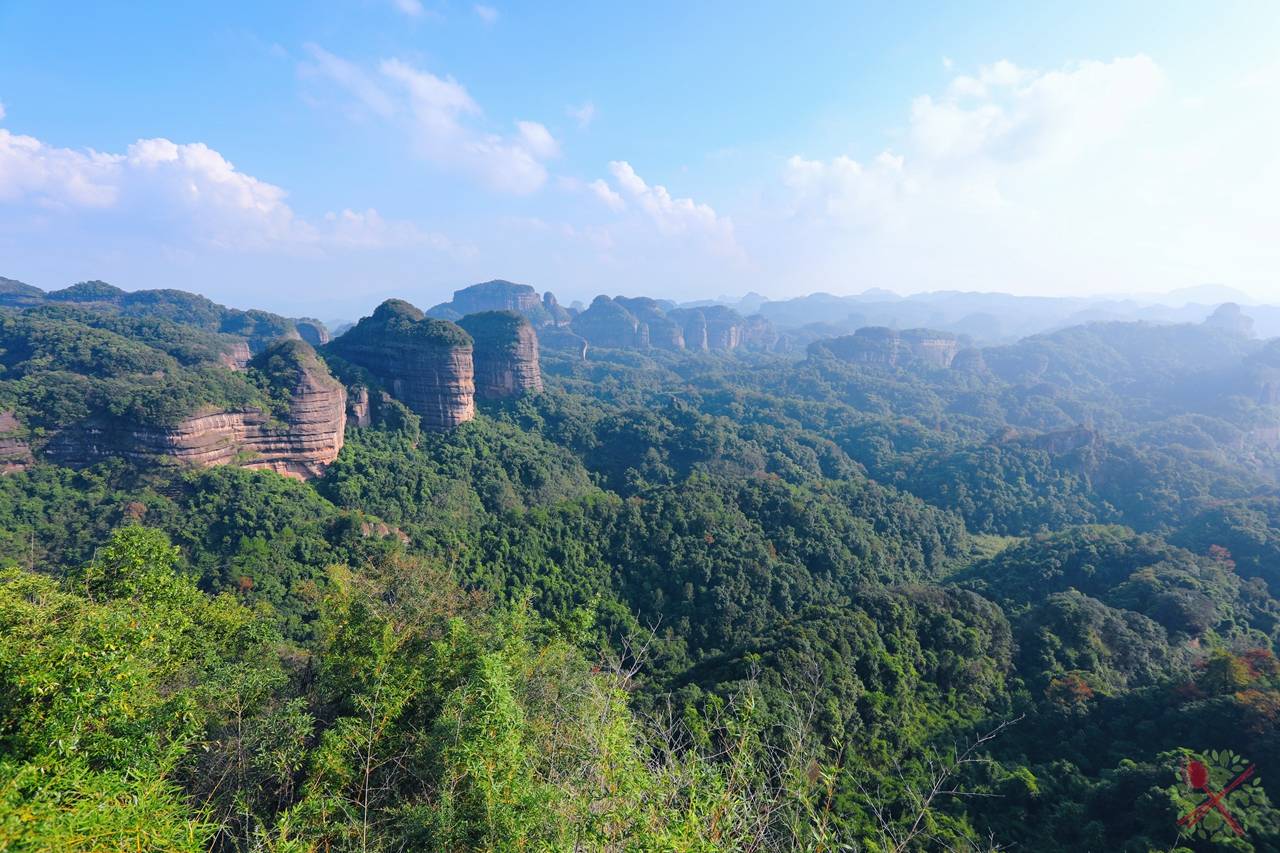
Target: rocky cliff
608, 324
888, 347
298, 441
236, 356
496, 295
426, 363
505, 354
15, 452
557, 314
937, 349
660, 331
312, 331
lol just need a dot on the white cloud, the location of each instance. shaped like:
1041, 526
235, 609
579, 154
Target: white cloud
1, 110
671, 215
181, 195
1010, 113
349, 76
443, 121
606, 194
538, 139
1092, 176
412, 8
488, 14
583, 114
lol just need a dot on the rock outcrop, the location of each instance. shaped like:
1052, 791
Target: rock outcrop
312, 331
496, 295
1065, 440
718, 328
236, 356
426, 363
608, 324
299, 443
15, 452
884, 346
759, 334
660, 331
934, 348
1229, 318
505, 354
557, 314
359, 412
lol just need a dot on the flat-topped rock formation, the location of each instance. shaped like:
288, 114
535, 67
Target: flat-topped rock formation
617, 322
505, 354
425, 363
496, 295
889, 347
299, 443
715, 328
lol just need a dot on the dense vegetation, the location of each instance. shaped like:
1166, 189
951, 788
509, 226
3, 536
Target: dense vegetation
676, 602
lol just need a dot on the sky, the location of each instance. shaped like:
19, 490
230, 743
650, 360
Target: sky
317, 158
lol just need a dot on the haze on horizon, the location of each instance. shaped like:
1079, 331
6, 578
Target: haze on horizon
331, 156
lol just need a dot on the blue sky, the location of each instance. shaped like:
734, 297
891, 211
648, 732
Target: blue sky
325, 156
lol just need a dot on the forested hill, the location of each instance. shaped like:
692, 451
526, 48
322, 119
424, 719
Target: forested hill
891, 592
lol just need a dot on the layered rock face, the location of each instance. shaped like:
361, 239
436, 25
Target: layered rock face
608, 324
496, 295
694, 324
660, 330
426, 363
312, 331
359, 412
15, 452
720, 328
936, 348
759, 334
236, 356
505, 354
300, 445
724, 328
884, 346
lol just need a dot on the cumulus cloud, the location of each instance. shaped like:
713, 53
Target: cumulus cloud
1079, 178
180, 194
606, 194
445, 123
1012, 113
987, 130
671, 215
488, 14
